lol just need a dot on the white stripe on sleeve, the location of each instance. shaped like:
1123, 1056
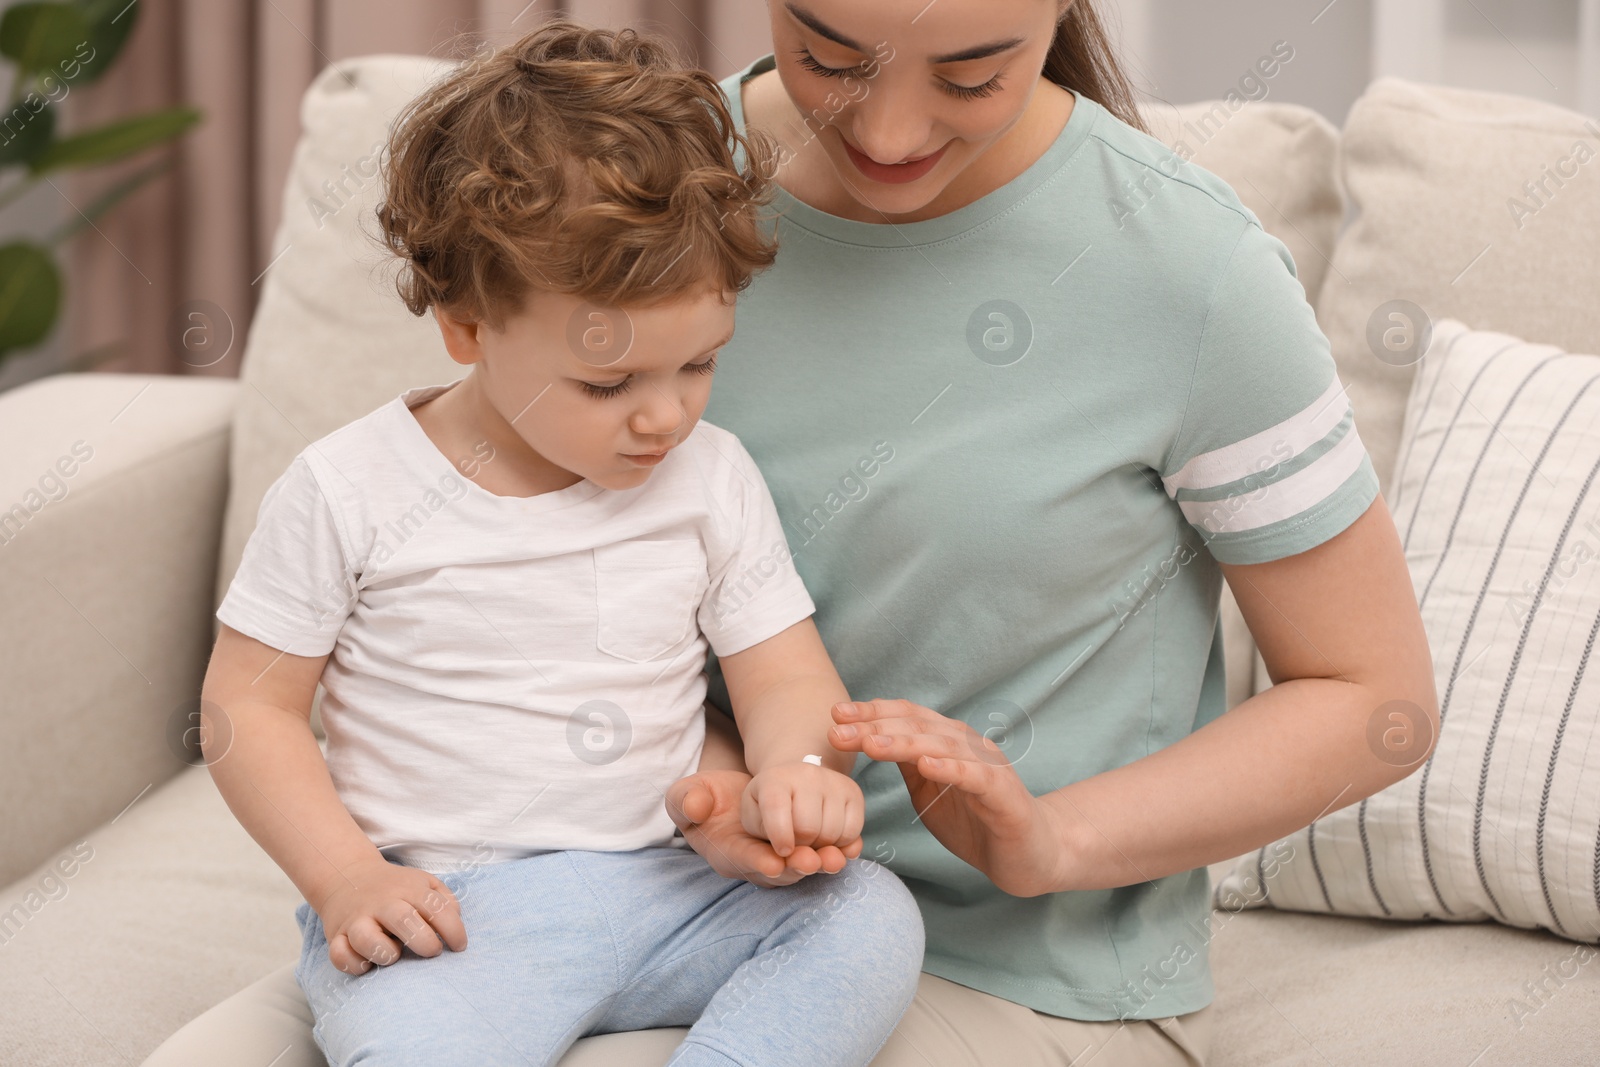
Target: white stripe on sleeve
1243, 458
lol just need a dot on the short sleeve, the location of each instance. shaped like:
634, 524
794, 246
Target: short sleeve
1267, 461
294, 587
755, 591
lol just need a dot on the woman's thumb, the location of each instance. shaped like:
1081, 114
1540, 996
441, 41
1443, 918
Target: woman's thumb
689, 801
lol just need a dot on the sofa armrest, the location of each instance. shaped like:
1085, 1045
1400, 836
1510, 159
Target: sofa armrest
111, 497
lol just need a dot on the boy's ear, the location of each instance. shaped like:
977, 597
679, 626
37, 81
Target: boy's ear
460, 337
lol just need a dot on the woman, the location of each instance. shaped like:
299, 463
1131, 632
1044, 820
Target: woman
1043, 388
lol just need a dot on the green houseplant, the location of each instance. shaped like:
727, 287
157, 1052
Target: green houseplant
56, 46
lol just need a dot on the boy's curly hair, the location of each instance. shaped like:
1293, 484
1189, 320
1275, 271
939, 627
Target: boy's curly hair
577, 160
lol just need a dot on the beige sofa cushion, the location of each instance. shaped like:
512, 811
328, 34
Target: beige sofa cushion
331, 340
167, 909
110, 490
1431, 173
1495, 503
1310, 991
1279, 158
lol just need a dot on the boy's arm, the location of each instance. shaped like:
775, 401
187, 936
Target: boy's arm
783, 691
267, 766
255, 715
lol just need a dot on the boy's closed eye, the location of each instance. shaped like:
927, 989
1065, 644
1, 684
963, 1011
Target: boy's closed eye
618, 388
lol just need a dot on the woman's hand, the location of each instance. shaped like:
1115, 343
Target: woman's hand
964, 790
705, 806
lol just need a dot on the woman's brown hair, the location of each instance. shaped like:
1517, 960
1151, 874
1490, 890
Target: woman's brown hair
577, 160
1081, 58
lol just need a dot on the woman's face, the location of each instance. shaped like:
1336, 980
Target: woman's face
904, 96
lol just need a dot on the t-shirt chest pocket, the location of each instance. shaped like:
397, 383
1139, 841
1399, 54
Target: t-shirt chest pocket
646, 595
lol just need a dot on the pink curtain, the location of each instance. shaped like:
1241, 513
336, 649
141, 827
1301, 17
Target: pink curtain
200, 235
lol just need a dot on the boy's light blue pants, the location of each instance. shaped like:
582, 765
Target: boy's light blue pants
566, 944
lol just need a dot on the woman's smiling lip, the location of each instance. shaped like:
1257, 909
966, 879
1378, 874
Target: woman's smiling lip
893, 173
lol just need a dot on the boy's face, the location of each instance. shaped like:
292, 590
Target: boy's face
600, 392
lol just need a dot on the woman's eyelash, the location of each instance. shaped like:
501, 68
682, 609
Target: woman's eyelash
604, 391
963, 92
974, 92
809, 62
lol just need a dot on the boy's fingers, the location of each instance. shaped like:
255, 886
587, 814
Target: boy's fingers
369, 941
443, 912
751, 817
808, 808
833, 817
777, 818
403, 921
345, 958
855, 817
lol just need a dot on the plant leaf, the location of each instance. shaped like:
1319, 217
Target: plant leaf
40, 35
30, 294
24, 134
110, 22
113, 141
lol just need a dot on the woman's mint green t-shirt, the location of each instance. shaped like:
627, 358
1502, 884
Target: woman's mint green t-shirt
1008, 446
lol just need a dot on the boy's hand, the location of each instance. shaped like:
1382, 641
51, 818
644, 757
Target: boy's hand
793, 804
705, 806
379, 906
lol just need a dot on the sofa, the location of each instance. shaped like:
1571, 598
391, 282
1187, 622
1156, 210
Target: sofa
133, 902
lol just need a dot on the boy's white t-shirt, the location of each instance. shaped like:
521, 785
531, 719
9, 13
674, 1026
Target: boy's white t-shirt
510, 675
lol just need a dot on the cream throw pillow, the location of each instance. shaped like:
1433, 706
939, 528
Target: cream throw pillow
1498, 505
1433, 175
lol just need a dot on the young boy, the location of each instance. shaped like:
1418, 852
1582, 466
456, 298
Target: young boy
506, 587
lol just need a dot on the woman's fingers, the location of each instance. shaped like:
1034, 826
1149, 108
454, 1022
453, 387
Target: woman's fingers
803, 861
898, 731
689, 801
895, 747
753, 860
833, 858
994, 794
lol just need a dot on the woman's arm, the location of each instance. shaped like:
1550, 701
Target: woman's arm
1343, 641
1339, 630
723, 750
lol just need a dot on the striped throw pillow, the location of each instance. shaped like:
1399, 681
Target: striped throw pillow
1497, 501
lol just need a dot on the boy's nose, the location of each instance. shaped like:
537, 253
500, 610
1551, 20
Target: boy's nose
659, 415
